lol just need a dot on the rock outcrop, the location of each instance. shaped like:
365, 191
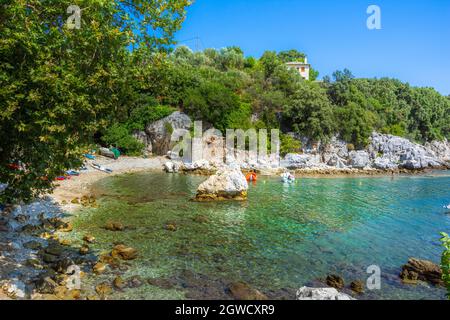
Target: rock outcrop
172, 167
160, 132
391, 152
359, 159
421, 270
294, 161
440, 149
306, 293
385, 152
145, 140
226, 184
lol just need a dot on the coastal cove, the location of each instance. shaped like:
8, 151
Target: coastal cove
284, 237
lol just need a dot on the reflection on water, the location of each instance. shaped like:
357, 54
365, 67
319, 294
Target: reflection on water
285, 236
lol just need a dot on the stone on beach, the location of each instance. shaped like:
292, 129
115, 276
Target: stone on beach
225, 184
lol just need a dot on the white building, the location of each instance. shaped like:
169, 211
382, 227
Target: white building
302, 67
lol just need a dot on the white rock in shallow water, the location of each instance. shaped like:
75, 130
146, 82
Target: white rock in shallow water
14, 288
306, 293
171, 167
225, 184
198, 165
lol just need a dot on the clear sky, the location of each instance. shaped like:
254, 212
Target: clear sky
413, 44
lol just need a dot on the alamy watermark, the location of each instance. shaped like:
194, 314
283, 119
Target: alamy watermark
74, 20
374, 20
238, 145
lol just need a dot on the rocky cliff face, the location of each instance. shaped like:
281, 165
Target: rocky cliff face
385, 152
388, 150
160, 132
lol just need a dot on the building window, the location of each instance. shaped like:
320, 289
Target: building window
303, 69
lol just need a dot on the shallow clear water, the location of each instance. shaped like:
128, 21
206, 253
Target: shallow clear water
284, 236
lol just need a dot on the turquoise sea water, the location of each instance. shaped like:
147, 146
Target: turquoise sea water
282, 238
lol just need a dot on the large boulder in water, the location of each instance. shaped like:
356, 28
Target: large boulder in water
226, 184
422, 270
160, 132
306, 293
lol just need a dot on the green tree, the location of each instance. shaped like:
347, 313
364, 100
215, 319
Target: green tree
212, 102
310, 113
445, 261
355, 124
58, 85
291, 56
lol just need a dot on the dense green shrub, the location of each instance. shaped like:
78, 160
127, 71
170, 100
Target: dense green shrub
119, 136
445, 262
212, 102
289, 145
310, 112
142, 116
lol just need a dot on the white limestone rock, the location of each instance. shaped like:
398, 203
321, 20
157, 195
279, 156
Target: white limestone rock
306, 293
227, 183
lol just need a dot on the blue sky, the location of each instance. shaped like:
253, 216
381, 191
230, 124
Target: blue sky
413, 45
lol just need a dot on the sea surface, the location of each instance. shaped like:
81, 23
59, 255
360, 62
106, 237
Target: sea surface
284, 237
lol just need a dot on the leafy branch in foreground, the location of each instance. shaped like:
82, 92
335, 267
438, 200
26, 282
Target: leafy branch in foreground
58, 86
445, 262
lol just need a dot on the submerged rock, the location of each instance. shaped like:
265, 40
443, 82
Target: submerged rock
421, 270
306, 293
124, 252
225, 184
99, 268
84, 249
357, 286
242, 291
114, 226
335, 281
118, 283
89, 238
171, 226
103, 289
14, 288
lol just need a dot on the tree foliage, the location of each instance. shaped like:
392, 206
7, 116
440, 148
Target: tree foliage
58, 86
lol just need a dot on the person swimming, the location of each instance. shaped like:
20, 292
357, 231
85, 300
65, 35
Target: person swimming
288, 177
